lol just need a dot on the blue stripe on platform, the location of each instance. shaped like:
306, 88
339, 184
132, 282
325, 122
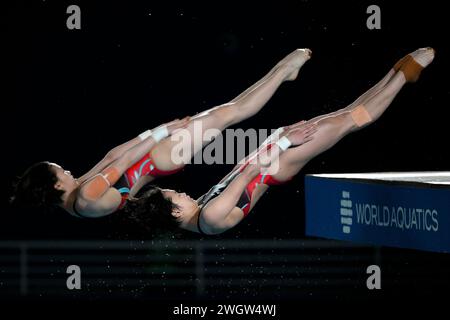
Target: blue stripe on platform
405, 216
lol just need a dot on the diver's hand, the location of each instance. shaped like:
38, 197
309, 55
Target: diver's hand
300, 134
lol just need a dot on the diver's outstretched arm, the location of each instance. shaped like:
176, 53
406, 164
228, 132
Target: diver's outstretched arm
96, 195
116, 153
222, 212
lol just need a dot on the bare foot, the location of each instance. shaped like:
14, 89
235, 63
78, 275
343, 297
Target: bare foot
292, 63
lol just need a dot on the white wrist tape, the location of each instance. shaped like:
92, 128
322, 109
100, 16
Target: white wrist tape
144, 135
160, 133
283, 143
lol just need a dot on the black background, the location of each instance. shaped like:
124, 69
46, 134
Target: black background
71, 95
74, 94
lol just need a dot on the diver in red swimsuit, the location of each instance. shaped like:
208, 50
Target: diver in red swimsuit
128, 167
226, 204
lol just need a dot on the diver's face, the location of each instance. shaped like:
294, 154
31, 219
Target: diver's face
66, 181
184, 203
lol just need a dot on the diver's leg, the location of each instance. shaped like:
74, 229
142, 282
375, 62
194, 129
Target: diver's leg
220, 117
333, 127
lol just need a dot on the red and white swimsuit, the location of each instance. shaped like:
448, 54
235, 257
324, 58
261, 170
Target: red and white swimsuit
144, 167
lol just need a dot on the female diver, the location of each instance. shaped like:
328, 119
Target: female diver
127, 168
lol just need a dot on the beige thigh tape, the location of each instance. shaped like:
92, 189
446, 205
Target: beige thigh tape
360, 115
